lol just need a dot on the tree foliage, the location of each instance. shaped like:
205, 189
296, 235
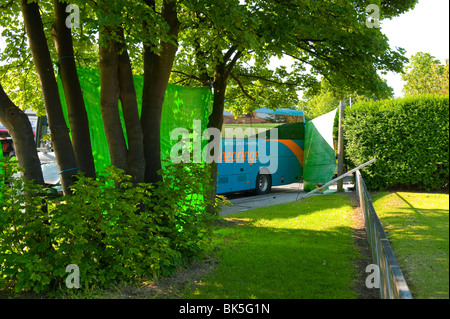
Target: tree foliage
426, 75
326, 39
321, 98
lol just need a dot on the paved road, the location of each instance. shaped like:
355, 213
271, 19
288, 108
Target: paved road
243, 201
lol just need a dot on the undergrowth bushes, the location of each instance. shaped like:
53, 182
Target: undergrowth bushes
409, 137
112, 230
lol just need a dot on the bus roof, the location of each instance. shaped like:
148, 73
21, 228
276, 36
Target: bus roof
269, 111
279, 111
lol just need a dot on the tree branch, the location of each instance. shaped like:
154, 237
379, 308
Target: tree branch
229, 53
241, 86
7, 5
233, 62
267, 80
188, 76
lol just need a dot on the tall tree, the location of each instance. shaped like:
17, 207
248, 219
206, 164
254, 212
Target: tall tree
158, 62
327, 39
117, 84
426, 75
109, 97
77, 115
62, 144
135, 157
19, 127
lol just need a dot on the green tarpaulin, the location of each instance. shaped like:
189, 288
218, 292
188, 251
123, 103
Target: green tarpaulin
319, 157
182, 105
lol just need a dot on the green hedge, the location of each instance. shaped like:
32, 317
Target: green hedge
408, 136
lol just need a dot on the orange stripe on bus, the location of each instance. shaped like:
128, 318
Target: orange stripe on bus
298, 152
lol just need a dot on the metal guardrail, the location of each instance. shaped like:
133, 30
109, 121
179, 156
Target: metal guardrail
392, 282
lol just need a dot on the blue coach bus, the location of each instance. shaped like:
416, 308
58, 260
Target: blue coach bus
261, 150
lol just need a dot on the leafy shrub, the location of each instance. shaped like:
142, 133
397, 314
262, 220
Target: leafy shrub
25, 245
112, 230
409, 137
192, 224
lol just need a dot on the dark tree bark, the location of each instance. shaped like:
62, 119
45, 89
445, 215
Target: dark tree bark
135, 158
109, 99
77, 114
157, 69
221, 73
19, 127
62, 144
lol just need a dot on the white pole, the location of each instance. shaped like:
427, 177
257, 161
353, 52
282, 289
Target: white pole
341, 146
341, 177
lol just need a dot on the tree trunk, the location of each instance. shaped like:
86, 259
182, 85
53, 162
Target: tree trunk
215, 120
19, 127
109, 100
157, 69
77, 114
62, 144
135, 159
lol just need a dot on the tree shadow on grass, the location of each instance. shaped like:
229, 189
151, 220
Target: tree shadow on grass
416, 222
269, 261
419, 237
283, 263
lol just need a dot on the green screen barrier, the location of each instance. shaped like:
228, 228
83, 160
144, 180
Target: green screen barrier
319, 156
182, 105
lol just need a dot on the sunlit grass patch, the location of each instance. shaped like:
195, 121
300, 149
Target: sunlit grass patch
303, 249
418, 230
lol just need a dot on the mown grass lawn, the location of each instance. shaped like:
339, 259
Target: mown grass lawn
296, 250
418, 230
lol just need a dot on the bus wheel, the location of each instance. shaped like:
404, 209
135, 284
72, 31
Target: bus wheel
263, 184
